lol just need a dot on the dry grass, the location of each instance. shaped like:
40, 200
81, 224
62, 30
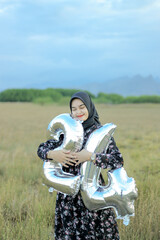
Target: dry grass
26, 207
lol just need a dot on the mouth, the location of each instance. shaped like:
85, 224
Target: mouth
79, 116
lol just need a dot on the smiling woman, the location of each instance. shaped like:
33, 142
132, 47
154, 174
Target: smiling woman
83, 101
73, 221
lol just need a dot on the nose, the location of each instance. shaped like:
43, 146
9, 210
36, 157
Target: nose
79, 111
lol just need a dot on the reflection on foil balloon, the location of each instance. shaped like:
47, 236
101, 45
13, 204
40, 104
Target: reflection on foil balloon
120, 192
55, 177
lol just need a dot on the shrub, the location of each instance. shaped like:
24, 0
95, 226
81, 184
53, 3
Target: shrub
43, 100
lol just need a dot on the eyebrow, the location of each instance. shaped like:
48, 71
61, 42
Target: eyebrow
79, 105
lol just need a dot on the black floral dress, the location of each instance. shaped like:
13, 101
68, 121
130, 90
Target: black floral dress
73, 221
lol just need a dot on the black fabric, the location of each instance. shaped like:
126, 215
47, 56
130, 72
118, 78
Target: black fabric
93, 117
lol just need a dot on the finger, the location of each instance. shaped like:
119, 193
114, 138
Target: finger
75, 155
69, 162
64, 164
71, 159
77, 163
66, 151
69, 154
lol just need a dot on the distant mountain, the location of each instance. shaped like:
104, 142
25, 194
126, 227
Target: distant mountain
127, 86
157, 79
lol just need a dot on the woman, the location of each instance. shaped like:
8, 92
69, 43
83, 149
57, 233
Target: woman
73, 221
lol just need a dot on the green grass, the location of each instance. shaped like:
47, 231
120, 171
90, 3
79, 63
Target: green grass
26, 207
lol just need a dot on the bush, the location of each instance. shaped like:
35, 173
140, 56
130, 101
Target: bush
64, 101
142, 99
62, 96
20, 95
109, 98
43, 100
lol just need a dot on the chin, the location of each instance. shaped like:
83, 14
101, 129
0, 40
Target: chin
84, 119
81, 119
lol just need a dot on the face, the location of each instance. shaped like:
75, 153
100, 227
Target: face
79, 110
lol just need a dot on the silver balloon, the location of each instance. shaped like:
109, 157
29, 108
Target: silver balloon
72, 131
120, 192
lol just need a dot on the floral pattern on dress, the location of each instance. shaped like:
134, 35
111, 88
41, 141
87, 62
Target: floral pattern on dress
73, 221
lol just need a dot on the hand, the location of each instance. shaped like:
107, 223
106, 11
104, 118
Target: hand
82, 156
65, 157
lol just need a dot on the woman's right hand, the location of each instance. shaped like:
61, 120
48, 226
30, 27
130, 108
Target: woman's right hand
65, 157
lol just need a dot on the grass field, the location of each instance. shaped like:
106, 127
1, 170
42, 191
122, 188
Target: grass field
26, 207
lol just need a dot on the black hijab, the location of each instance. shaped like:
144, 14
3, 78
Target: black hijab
93, 117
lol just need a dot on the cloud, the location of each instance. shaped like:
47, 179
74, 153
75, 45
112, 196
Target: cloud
6, 9
39, 38
45, 35
79, 40
101, 1
11, 58
122, 7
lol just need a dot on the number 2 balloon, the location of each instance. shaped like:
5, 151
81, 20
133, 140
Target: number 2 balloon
121, 190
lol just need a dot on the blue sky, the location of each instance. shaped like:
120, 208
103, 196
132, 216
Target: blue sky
59, 43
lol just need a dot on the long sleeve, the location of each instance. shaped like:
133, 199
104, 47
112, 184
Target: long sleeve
45, 147
112, 158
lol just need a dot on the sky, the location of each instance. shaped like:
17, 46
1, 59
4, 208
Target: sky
60, 43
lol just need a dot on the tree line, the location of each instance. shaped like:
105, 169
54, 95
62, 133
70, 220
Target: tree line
62, 96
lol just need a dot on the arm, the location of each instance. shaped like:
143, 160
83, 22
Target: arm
112, 158
45, 147
45, 152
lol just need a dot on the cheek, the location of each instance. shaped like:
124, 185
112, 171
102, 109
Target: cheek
73, 114
86, 115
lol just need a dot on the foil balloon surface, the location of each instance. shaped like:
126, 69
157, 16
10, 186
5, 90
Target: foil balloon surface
119, 193
72, 130
121, 190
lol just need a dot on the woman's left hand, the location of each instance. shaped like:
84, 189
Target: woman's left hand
82, 156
